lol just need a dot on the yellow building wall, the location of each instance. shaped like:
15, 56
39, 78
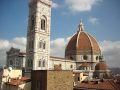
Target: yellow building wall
82, 77
7, 74
79, 77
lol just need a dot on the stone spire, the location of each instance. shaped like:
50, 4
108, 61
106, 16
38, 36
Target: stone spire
81, 26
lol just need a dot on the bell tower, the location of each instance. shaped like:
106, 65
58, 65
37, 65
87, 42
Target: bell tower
38, 35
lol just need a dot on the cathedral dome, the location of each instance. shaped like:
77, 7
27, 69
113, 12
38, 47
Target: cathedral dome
82, 43
101, 66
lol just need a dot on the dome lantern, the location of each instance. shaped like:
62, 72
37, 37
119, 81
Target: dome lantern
81, 26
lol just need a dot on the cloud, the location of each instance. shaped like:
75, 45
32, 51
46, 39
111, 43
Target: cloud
18, 42
94, 20
111, 52
81, 5
54, 5
4, 44
58, 46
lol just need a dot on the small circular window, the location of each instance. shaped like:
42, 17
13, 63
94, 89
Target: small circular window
85, 57
71, 57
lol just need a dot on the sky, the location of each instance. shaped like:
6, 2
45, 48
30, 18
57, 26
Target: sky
101, 19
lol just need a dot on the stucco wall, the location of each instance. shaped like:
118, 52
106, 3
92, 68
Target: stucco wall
59, 80
65, 64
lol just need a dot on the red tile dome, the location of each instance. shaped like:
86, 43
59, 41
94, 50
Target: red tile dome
82, 43
101, 66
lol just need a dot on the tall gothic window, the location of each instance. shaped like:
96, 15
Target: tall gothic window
40, 44
41, 63
43, 23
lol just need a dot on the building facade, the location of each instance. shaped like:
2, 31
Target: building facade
16, 58
12, 79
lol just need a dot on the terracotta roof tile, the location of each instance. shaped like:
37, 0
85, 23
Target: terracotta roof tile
101, 66
82, 43
105, 85
16, 81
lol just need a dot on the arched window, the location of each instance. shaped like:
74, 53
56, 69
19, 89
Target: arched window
41, 63
43, 23
40, 44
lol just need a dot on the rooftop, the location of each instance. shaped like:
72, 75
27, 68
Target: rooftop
102, 85
16, 81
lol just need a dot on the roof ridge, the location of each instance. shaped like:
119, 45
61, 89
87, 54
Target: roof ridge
90, 41
70, 40
77, 38
95, 41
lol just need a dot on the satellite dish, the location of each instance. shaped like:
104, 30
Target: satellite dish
10, 68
